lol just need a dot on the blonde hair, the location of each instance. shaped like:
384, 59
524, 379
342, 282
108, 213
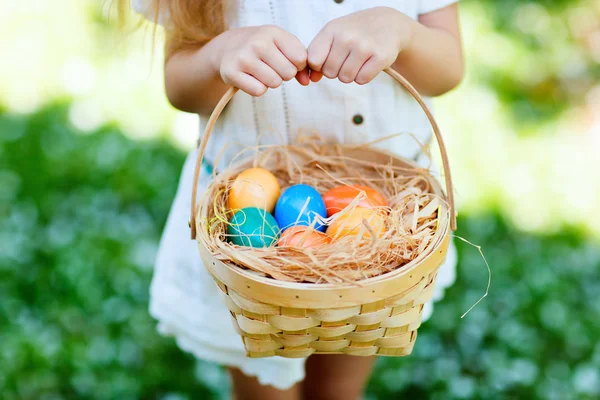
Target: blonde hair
191, 23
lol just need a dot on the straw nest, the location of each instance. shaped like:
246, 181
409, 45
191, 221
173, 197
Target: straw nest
411, 218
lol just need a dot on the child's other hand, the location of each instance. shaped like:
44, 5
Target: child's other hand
357, 47
254, 59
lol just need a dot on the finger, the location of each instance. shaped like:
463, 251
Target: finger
315, 76
335, 59
247, 83
352, 66
369, 71
318, 50
292, 49
275, 59
265, 74
303, 77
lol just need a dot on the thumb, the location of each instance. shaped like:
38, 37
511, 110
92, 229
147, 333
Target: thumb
303, 77
315, 76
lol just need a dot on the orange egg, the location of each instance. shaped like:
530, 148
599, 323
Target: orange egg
255, 187
303, 237
339, 197
351, 223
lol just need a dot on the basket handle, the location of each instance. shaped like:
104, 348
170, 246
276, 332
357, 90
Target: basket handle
399, 78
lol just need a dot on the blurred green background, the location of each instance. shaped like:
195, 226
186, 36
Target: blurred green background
90, 155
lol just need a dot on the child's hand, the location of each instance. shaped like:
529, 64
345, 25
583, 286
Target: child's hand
254, 59
357, 47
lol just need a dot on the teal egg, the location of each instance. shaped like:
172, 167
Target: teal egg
252, 227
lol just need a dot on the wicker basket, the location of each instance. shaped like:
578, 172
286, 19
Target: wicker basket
378, 317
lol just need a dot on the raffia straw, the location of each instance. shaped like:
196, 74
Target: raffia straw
411, 218
489, 283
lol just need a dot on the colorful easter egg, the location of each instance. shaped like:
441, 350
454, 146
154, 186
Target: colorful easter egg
300, 205
253, 227
255, 187
303, 237
340, 197
351, 223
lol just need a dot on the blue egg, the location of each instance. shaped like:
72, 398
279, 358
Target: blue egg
300, 205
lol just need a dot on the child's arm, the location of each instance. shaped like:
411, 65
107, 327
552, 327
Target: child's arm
359, 46
252, 59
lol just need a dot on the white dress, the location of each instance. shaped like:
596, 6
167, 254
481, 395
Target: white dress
184, 299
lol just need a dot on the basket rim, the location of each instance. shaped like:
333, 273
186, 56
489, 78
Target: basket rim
441, 237
300, 285
325, 296
444, 225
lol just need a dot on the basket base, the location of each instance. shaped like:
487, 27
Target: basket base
316, 348
383, 328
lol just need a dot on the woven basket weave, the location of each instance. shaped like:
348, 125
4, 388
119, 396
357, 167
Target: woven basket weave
378, 317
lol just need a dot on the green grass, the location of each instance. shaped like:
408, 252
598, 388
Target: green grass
80, 218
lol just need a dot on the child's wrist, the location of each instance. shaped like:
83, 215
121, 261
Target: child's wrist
216, 48
405, 28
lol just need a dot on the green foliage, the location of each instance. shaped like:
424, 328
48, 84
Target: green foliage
541, 61
79, 221
80, 218
533, 337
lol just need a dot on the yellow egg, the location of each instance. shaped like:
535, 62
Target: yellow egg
351, 223
255, 187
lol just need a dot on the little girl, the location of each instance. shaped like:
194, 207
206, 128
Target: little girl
276, 51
